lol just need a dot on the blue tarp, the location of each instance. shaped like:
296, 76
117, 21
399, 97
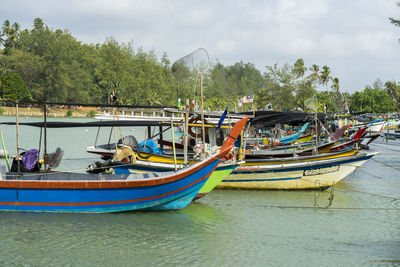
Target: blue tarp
149, 143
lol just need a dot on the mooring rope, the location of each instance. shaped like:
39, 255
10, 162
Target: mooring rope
388, 165
310, 207
367, 193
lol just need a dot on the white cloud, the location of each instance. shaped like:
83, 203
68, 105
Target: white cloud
345, 35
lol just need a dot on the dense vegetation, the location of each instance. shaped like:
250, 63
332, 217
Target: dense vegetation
42, 64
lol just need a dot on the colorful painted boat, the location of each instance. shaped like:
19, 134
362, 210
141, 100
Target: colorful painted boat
376, 126
292, 138
392, 124
342, 145
293, 176
270, 153
100, 193
297, 159
223, 169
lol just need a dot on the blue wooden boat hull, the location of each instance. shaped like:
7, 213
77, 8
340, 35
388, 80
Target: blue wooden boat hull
173, 195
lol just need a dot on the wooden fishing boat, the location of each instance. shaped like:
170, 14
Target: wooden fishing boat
296, 159
84, 192
270, 153
294, 137
223, 169
319, 174
343, 144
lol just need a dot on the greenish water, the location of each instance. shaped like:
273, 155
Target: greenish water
226, 228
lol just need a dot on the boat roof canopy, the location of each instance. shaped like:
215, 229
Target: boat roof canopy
62, 124
264, 118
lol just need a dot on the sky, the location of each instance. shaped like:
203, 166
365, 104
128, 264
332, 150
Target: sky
354, 38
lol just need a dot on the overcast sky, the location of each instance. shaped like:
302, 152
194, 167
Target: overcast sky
354, 38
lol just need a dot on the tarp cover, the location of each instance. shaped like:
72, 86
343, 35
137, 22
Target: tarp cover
30, 158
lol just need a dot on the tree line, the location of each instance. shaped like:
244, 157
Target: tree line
42, 64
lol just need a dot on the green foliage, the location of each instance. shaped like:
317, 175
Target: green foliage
1, 110
374, 99
51, 65
91, 113
280, 88
216, 103
14, 88
69, 113
331, 101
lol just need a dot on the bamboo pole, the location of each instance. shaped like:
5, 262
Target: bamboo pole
173, 144
202, 117
17, 128
185, 141
45, 156
5, 151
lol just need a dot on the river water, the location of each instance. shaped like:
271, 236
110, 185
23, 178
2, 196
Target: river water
226, 228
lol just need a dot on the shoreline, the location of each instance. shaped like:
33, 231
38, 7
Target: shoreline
78, 112
51, 112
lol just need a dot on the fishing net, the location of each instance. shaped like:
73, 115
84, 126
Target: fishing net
54, 159
191, 64
188, 71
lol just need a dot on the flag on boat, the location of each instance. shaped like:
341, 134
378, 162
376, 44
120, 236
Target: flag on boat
240, 102
221, 120
248, 99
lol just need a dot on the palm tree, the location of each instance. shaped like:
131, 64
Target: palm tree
298, 68
314, 76
6, 27
14, 34
394, 91
11, 32
325, 75
335, 85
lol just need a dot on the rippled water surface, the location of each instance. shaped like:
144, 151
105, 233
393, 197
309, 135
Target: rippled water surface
226, 228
